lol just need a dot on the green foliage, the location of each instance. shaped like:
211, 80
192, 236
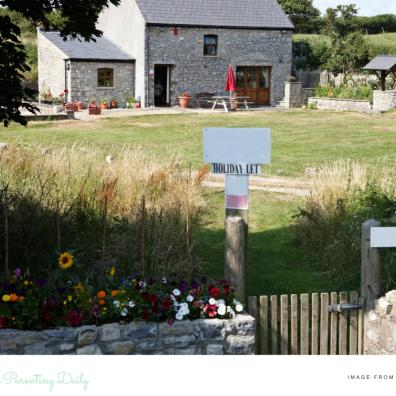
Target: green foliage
328, 227
300, 12
71, 17
356, 91
347, 51
308, 56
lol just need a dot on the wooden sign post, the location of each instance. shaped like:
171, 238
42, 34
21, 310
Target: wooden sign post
237, 153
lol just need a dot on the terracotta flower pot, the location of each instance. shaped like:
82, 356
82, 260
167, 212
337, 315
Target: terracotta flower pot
136, 105
94, 109
104, 106
114, 104
80, 106
69, 106
184, 101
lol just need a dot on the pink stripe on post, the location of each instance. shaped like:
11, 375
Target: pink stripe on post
236, 202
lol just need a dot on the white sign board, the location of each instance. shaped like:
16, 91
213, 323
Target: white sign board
237, 192
237, 146
383, 237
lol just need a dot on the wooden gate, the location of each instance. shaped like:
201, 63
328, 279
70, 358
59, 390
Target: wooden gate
316, 324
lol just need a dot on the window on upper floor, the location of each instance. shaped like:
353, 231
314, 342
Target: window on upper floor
210, 45
105, 77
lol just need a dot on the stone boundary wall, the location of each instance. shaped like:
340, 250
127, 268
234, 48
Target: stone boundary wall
296, 95
340, 104
384, 100
199, 337
381, 327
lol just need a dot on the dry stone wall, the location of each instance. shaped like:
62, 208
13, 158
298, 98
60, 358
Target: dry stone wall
204, 337
381, 327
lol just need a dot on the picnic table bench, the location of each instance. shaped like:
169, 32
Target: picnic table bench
226, 100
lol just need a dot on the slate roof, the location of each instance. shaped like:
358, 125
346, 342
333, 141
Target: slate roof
101, 49
260, 14
382, 62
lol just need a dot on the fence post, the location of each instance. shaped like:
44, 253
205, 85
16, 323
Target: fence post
370, 273
235, 254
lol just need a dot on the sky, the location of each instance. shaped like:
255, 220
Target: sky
366, 7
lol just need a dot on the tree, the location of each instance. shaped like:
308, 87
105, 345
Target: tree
72, 18
348, 51
300, 12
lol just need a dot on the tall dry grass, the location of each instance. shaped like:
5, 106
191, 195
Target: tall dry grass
132, 210
328, 224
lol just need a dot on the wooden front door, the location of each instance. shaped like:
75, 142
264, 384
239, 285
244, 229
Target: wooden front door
254, 82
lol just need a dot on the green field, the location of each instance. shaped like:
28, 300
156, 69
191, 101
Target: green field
301, 139
384, 43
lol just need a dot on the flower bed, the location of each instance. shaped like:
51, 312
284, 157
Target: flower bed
64, 300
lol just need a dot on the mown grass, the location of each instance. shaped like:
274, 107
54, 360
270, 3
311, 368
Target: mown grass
301, 139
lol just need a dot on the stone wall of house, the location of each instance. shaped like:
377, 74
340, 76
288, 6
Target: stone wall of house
51, 67
192, 71
384, 100
340, 104
381, 327
204, 336
83, 81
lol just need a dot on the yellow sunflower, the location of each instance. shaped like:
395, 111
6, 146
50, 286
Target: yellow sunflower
65, 260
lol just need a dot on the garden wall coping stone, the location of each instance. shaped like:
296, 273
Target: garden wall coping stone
202, 336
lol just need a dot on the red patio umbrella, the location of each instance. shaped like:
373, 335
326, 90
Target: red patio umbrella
230, 84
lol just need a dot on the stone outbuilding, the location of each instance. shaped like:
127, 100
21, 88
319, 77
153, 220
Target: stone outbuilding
167, 47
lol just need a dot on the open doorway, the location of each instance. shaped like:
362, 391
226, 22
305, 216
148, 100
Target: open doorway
161, 85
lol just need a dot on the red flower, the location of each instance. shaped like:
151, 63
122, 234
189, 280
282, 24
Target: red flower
146, 315
74, 318
214, 291
227, 289
3, 323
152, 298
210, 310
66, 91
167, 304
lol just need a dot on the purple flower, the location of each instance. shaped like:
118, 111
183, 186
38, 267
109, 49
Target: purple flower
18, 272
182, 286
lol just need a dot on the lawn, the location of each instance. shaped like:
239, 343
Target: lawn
275, 263
301, 139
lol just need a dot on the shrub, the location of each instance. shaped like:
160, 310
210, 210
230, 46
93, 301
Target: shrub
328, 224
132, 210
345, 91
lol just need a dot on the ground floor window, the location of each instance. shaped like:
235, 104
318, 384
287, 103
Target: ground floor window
105, 77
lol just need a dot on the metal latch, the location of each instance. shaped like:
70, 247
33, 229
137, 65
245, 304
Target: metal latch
344, 307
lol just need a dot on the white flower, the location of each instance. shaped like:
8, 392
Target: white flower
131, 304
179, 316
230, 311
212, 301
220, 302
222, 309
176, 292
190, 298
124, 312
116, 303
173, 297
239, 307
164, 280
184, 310
142, 284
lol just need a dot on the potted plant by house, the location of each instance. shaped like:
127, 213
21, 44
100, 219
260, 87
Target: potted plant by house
104, 104
129, 102
114, 103
69, 106
184, 100
80, 105
94, 108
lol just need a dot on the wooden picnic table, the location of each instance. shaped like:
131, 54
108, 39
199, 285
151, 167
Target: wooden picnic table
225, 100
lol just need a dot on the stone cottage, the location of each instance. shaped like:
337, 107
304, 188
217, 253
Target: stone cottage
156, 50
